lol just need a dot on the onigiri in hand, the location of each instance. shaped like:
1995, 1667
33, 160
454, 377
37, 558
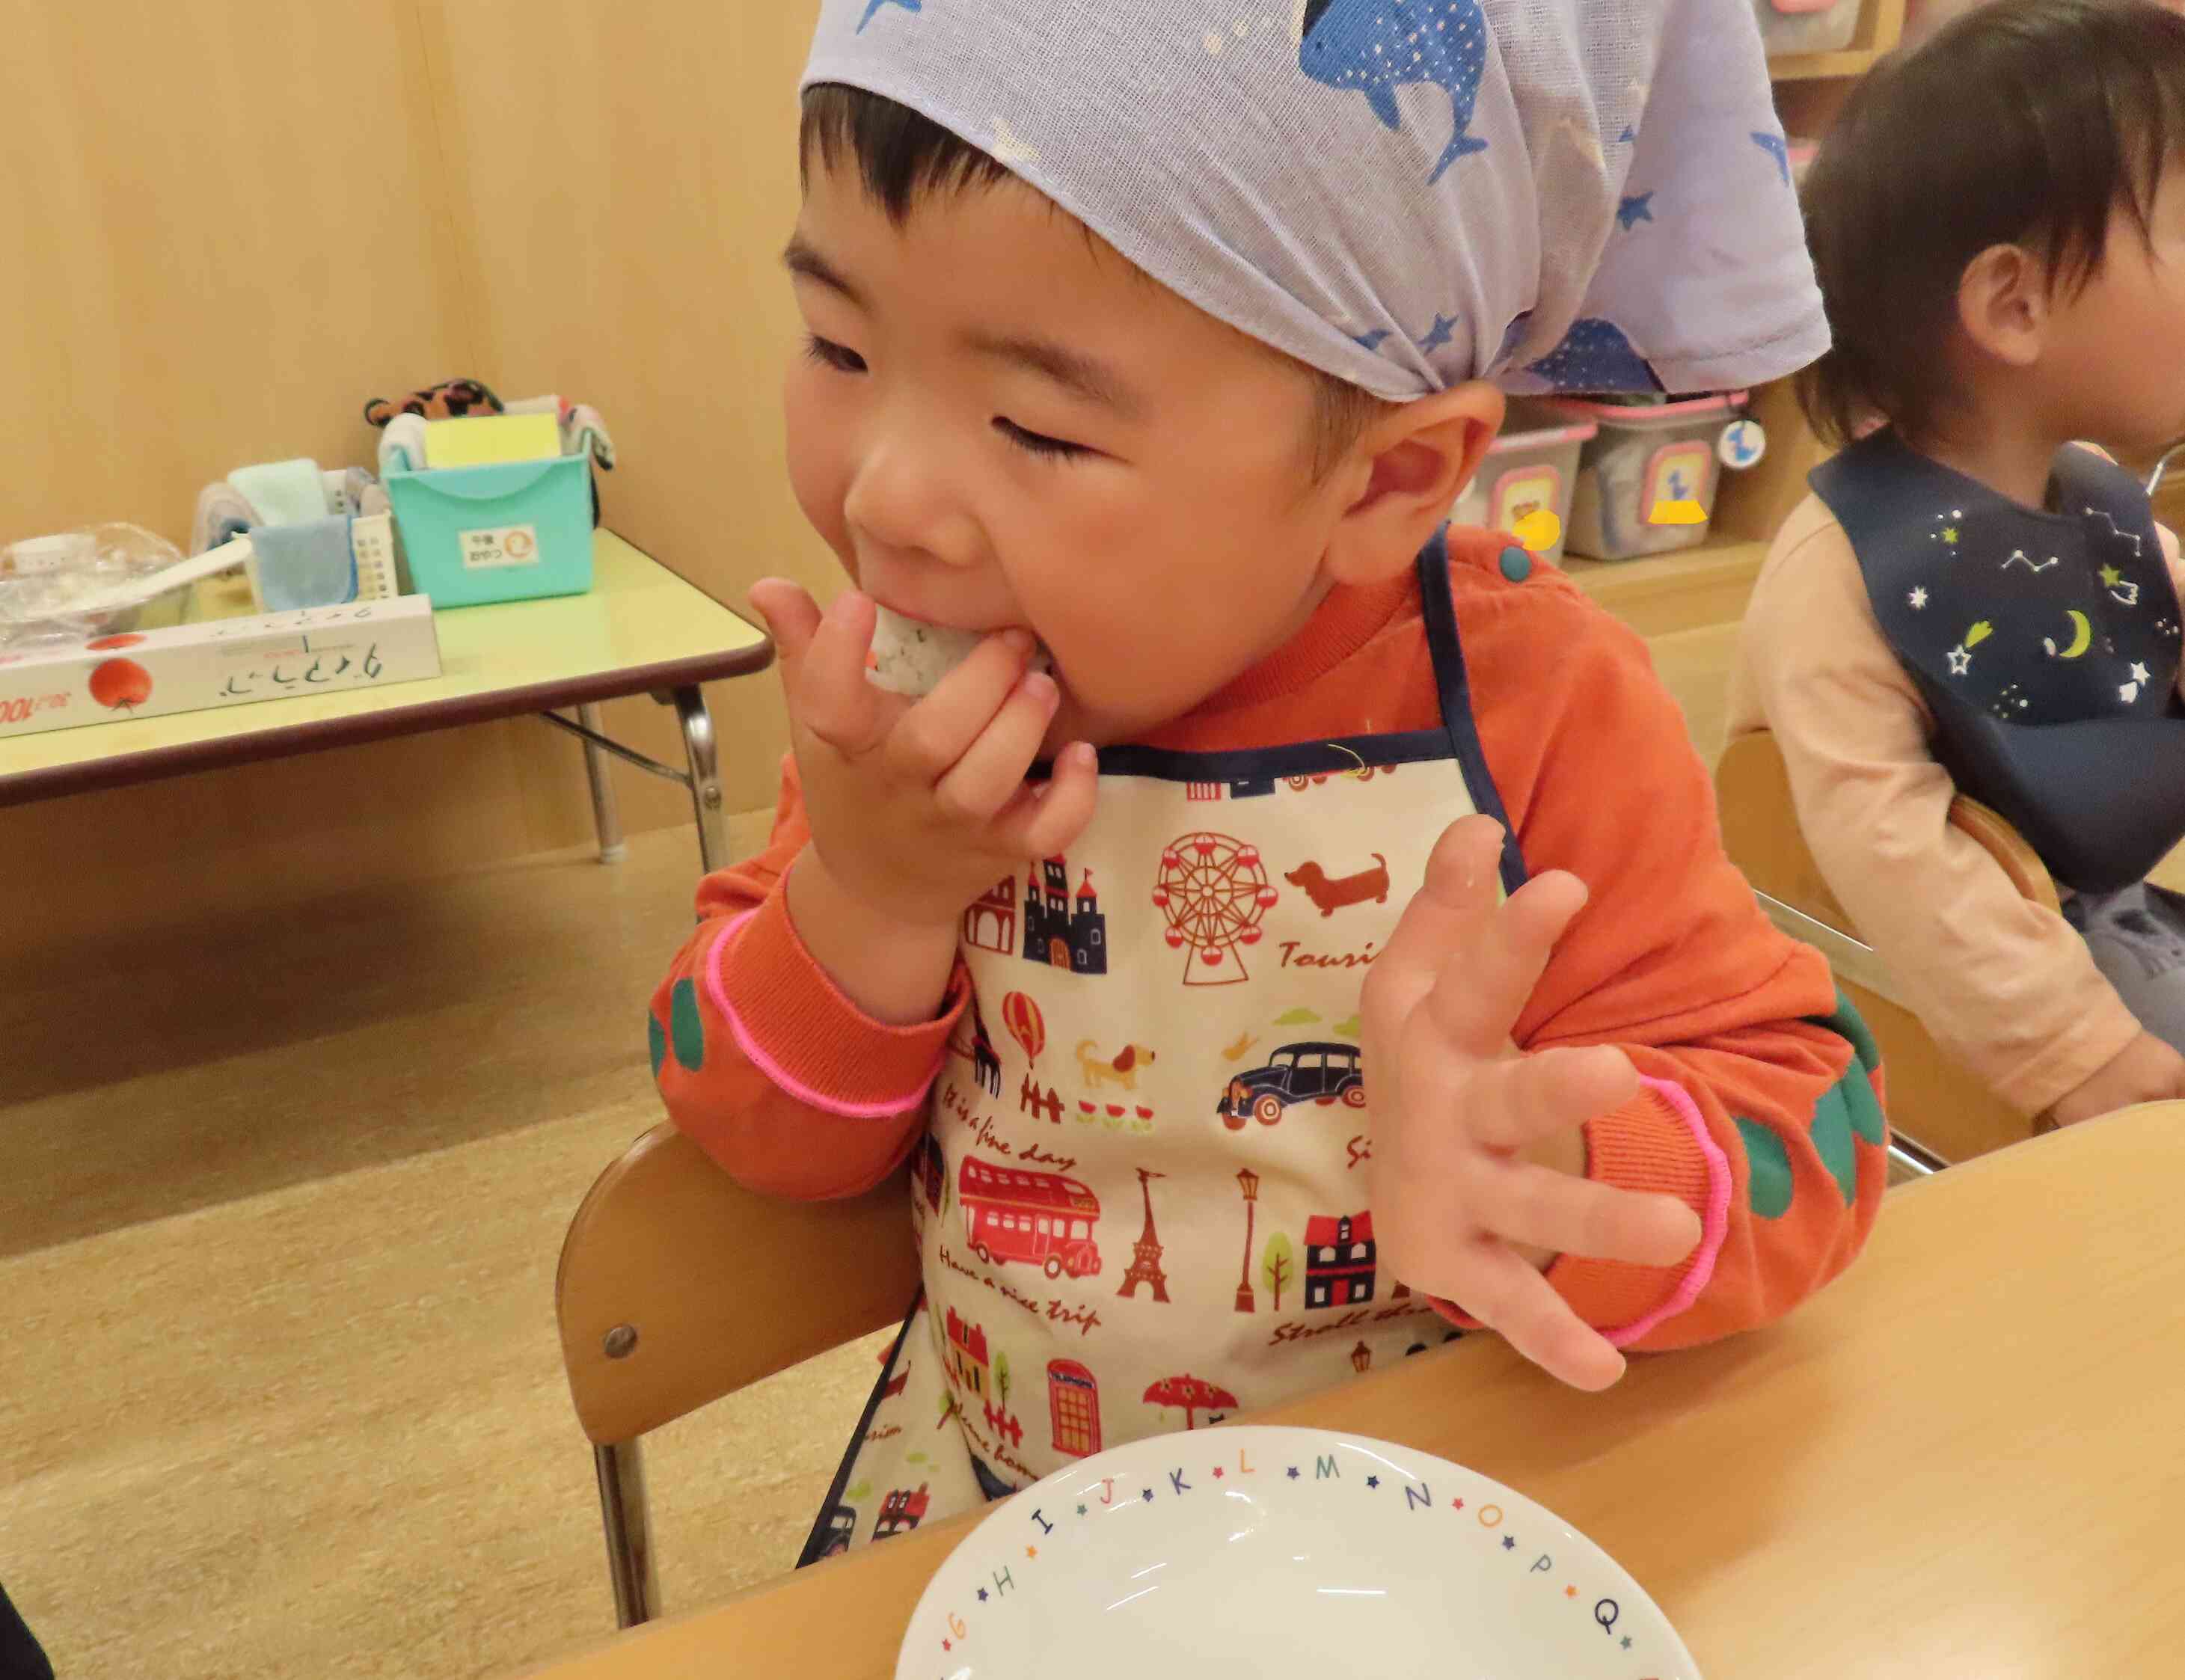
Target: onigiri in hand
910, 657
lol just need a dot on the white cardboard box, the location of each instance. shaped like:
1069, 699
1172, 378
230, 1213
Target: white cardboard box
223, 662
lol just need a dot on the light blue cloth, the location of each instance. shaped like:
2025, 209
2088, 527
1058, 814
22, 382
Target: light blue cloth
1556, 194
305, 565
284, 492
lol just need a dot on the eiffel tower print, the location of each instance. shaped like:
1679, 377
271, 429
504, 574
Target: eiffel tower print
1145, 1265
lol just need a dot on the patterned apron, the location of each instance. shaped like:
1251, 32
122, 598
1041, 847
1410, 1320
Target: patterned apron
1140, 1200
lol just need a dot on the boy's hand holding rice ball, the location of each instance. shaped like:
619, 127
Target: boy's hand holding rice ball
914, 743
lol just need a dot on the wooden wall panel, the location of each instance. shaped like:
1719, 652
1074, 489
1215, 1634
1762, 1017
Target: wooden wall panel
237, 219
229, 225
227, 232
623, 180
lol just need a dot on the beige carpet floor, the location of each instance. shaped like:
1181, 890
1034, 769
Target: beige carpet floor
279, 1210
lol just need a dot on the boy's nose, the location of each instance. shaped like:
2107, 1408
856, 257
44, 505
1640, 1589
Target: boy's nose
903, 502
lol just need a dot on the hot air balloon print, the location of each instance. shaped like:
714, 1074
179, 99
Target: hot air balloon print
1024, 1023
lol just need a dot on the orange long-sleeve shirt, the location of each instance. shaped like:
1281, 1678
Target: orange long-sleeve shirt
795, 1091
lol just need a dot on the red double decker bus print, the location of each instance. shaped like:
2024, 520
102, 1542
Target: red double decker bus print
1041, 1219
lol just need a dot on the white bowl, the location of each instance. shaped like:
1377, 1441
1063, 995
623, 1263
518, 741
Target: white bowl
1269, 1553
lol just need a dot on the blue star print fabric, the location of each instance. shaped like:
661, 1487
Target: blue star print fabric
1553, 194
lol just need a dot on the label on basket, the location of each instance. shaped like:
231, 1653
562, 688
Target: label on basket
500, 545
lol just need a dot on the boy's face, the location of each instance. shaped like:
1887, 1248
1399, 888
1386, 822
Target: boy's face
2116, 350
1002, 423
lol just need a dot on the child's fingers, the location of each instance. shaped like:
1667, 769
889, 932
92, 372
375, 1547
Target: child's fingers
1486, 981
941, 728
1459, 889
1523, 1100
1540, 1208
992, 767
1514, 1300
1053, 815
792, 619
831, 697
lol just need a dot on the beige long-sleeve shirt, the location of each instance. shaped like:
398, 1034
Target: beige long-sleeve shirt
2006, 986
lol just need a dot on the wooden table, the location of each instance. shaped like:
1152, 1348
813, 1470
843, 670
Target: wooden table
1965, 1458
641, 629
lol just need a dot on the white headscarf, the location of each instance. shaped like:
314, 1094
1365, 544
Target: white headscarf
1556, 194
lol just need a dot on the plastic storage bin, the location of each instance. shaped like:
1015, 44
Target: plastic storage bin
510, 530
1640, 459
1790, 26
1531, 468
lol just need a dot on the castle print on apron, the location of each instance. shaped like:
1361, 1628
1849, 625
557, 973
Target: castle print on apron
1141, 1198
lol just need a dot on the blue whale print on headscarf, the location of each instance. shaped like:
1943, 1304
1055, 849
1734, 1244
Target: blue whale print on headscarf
1375, 46
1777, 148
1594, 356
873, 6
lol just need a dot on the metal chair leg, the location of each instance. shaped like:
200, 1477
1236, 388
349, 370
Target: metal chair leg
1912, 1157
705, 778
606, 814
621, 1468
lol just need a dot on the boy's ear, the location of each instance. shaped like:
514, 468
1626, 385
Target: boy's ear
1420, 457
2003, 303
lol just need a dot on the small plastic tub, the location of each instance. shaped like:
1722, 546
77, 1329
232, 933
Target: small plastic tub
1789, 27
510, 530
1531, 469
1646, 481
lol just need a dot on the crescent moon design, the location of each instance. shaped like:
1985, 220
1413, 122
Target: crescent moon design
2082, 636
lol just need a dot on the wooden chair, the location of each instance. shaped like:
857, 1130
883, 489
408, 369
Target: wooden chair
1939, 1112
678, 1286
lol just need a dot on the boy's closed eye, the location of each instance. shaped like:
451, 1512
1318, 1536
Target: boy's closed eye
828, 354
843, 359
1039, 444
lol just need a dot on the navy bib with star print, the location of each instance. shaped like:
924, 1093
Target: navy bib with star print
2045, 644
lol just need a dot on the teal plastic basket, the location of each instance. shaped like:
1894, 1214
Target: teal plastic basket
510, 530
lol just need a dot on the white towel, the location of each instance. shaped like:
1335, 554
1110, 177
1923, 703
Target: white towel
402, 445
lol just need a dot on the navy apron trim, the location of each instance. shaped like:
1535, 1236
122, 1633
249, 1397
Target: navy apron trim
815, 1543
1439, 603
1250, 771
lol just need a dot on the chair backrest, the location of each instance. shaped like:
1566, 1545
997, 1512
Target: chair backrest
1933, 1098
678, 1286
1760, 828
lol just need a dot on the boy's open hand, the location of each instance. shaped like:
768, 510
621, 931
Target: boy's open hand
919, 807
1478, 1165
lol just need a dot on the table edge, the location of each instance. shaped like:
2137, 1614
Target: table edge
385, 724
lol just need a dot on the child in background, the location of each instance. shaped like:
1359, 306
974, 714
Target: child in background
1184, 974
1969, 602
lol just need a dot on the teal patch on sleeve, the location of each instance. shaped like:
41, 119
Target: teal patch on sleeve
1867, 1119
1831, 1134
689, 1030
1857, 1085
1516, 565
1767, 1183
1847, 1024
656, 1038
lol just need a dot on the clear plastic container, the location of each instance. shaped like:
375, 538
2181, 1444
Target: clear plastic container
1646, 481
1794, 26
77, 583
1530, 469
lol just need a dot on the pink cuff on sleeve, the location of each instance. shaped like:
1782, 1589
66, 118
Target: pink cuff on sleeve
1714, 1216
845, 1063
1633, 1148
